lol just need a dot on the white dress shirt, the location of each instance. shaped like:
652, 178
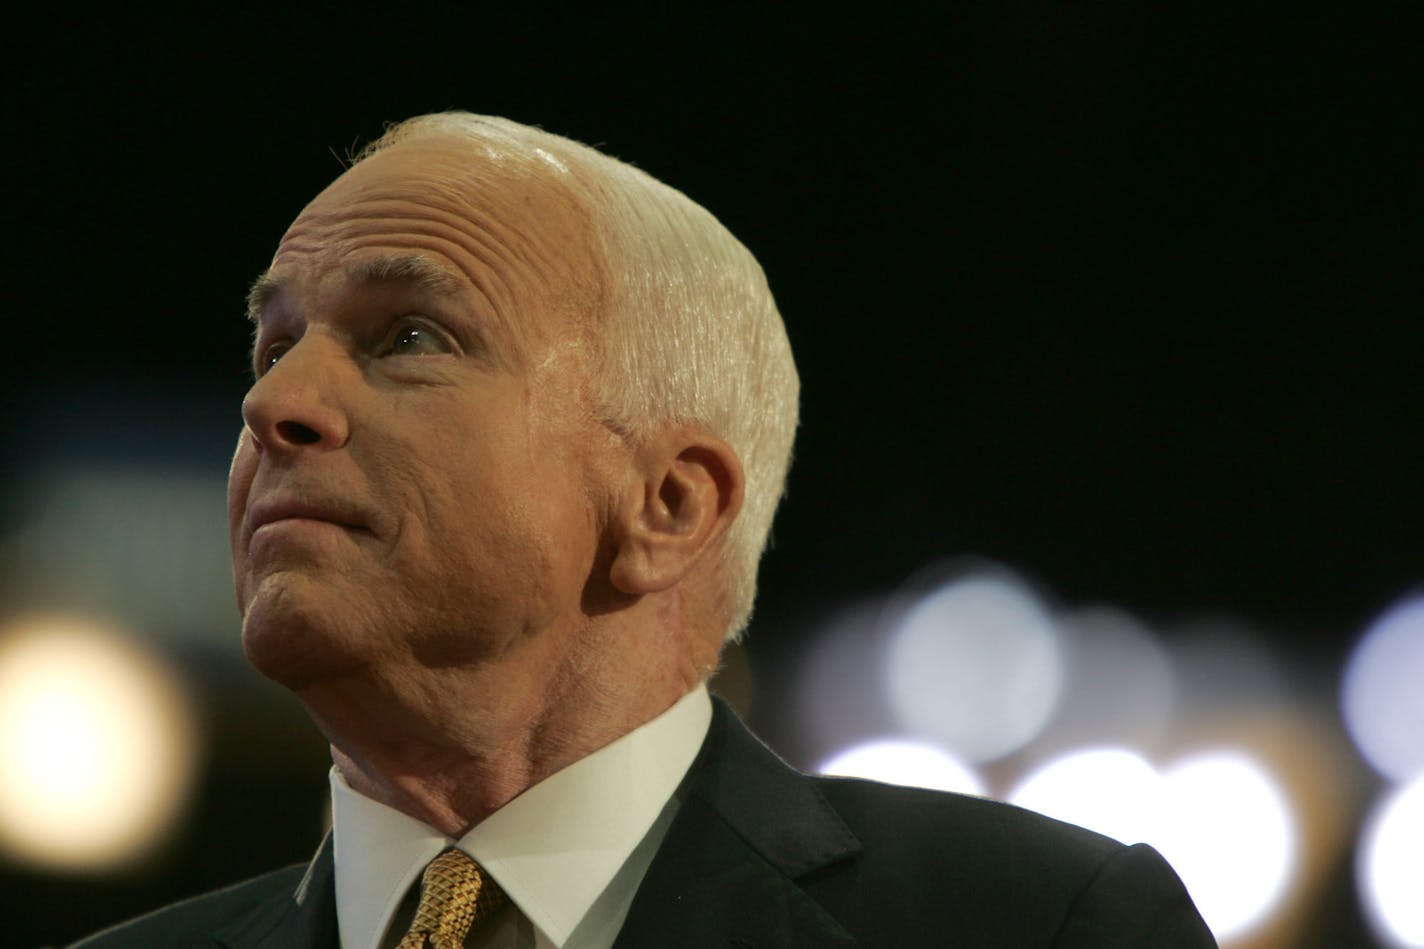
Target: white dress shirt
570, 851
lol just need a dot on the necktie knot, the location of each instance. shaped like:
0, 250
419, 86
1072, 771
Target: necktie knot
455, 896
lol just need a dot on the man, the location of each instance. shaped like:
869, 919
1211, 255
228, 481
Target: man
520, 420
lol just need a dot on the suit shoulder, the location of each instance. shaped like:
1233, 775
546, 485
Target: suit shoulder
191, 922
873, 810
1011, 876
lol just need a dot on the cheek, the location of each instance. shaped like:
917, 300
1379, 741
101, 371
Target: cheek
239, 483
514, 508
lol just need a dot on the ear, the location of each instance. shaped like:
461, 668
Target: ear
689, 490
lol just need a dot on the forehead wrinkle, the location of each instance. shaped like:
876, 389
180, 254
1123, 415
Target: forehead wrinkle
415, 268
493, 237
343, 233
512, 235
536, 225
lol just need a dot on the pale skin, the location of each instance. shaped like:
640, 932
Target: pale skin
468, 577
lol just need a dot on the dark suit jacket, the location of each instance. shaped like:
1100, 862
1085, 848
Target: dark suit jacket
761, 856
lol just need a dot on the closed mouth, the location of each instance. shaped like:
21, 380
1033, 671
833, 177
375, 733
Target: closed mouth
277, 510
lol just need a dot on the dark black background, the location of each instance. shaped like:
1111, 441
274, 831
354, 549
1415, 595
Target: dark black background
1126, 299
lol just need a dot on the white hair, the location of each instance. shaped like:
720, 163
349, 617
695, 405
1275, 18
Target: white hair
690, 331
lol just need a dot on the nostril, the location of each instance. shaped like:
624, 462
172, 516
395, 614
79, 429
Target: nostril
297, 434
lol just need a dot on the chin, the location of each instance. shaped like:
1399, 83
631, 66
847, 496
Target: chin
295, 641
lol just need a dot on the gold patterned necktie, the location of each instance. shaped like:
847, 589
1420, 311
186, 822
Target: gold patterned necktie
455, 896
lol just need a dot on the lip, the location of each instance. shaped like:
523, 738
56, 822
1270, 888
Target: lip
276, 509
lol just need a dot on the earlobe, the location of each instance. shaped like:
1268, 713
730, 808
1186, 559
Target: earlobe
689, 491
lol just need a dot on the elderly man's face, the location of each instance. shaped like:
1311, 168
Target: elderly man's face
418, 482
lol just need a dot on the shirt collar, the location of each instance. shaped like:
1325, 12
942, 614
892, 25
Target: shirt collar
554, 849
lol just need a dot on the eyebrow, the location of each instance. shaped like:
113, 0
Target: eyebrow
415, 269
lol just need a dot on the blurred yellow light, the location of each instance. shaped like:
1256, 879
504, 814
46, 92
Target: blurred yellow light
96, 745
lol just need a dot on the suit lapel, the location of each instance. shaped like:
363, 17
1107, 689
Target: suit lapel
738, 863
304, 919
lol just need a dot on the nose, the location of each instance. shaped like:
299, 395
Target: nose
297, 404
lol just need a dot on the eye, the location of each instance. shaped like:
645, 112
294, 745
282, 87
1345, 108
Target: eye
268, 357
415, 339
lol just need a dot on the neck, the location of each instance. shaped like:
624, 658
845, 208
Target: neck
450, 746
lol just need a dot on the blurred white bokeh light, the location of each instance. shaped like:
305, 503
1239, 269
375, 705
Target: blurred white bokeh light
1219, 818
1382, 699
1390, 866
1113, 791
975, 665
96, 745
911, 763
1231, 834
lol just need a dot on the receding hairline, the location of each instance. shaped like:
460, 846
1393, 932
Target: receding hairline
414, 268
